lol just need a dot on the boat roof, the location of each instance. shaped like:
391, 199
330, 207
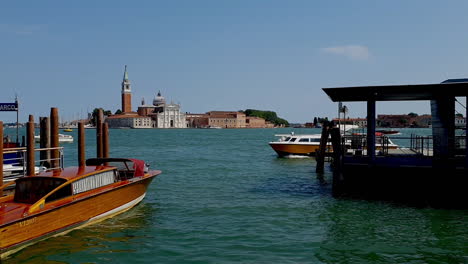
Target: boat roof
70, 173
298, 135
451, 87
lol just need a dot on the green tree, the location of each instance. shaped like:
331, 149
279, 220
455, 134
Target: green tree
412, 114
269, 116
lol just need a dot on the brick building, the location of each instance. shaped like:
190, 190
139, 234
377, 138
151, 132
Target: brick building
225, 119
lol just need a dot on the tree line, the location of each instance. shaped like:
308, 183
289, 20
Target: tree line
269, 116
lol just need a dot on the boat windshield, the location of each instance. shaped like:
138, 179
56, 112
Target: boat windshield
31, 189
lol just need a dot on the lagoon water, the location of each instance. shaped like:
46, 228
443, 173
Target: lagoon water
225, 197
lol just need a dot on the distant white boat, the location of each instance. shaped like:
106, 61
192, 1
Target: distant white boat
62, 138
12, 172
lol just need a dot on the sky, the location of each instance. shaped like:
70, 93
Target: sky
224, 55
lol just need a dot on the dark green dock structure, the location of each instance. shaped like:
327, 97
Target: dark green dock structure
433, 172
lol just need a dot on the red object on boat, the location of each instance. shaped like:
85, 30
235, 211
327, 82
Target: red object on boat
139, 167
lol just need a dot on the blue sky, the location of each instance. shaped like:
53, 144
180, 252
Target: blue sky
225, 55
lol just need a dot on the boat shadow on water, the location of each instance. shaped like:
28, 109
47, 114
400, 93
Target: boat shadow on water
120, 234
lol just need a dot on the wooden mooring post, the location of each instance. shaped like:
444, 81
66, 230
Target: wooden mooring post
81, 145
1, 158
44, 133
320, 154
99, 147
105, 140
30, 146
337, 161
54, 138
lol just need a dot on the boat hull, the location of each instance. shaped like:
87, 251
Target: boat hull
59, 218
283, 149
295, 149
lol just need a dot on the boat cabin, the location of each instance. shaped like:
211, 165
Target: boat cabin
50, 186
292, 138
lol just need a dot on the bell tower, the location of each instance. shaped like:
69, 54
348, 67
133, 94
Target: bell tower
126, 93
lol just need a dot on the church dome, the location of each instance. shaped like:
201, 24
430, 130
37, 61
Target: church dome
159, 99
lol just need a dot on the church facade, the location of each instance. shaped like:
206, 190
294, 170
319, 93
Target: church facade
164, 115
158, 115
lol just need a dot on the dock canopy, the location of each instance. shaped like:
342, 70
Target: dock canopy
448, 88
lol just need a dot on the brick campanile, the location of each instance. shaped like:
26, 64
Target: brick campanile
126, 93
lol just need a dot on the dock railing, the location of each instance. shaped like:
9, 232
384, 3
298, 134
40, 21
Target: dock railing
422, 144
413, 145
15, 160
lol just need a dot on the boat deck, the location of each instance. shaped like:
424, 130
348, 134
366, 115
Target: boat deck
397, 152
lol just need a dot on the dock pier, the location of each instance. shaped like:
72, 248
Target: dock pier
436, 177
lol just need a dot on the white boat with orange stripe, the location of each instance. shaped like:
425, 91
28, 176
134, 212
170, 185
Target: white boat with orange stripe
308, 144
291, 144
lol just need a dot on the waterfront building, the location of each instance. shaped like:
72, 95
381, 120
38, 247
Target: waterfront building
197, 120
404, 120
257, 122
164, 115
460, 121
360, 122
226, 119
129, 121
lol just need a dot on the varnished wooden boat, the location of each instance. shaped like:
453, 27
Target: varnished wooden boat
54, 202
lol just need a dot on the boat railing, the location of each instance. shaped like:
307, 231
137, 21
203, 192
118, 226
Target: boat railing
15, 160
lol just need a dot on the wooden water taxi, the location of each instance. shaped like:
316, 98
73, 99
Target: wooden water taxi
54, 202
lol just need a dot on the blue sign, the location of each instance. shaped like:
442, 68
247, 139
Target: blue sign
8, 107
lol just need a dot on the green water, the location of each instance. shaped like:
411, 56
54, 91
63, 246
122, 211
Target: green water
224, 197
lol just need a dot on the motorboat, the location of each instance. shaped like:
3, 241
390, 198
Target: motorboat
388, 131
54, 202
307, 144
292, 144
62, 138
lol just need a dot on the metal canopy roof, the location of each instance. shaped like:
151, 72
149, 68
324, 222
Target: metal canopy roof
449, 88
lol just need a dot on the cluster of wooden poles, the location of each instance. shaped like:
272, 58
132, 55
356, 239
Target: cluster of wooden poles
49, 142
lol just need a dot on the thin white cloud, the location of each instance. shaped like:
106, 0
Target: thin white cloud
354, 52
20, 29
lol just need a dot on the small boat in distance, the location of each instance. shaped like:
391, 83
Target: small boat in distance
67, 130
62, 138
54, 202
